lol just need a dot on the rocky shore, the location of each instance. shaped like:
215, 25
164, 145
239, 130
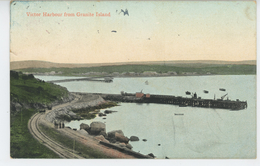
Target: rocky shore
98, 129
62, 114
114, 139
16, 106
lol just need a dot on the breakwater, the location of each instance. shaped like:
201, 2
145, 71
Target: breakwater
194, 101
98, 79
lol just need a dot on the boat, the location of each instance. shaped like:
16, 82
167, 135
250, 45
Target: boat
205, 91
222, 89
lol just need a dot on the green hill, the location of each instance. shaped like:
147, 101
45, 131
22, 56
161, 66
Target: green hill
200, 69
27, 93
27, 89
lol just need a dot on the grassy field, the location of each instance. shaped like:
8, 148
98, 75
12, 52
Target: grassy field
26, 88
202, 69
70, 143
22, 143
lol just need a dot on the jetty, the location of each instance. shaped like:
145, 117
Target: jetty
193, 101
98, 79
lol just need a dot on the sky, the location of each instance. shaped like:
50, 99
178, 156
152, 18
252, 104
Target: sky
153, 31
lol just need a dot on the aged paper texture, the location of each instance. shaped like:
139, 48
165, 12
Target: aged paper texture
133, 79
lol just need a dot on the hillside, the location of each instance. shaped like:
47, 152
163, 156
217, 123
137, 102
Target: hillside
147, 70
44, 64
27, 95
27, 89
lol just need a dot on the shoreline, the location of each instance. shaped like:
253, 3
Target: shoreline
93, 76
92, 141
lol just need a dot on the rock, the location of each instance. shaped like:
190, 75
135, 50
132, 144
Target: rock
83, 132
122, 144
75, 129
144, 140
111, 134
134, 138
108, 111
159, 144
113, 140
97, 127
15, 107
101, 114
129, 146
106, 141
150, 154
121, 138
84, 126
101, 138
103, 133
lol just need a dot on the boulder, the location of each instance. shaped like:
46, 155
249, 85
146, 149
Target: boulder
121, 138
83, 132
134, 138
108, 111
152, 155
111, 134
101, 114
103, 133
101, 138
122, 144
129, 146
112, 140
97, 127
16, 107
84, 126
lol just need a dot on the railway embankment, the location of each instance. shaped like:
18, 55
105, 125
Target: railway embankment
94, 137
85, 106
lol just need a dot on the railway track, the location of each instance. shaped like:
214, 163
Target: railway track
61, 150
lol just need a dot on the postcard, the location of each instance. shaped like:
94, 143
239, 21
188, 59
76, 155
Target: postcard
133, 79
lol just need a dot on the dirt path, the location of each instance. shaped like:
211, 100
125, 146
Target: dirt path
62, 151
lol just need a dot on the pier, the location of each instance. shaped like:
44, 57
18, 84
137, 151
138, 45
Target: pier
98, 79
180, 101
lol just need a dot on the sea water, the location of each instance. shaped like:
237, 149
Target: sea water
198, 133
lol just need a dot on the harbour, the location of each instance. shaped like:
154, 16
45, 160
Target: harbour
182, 131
